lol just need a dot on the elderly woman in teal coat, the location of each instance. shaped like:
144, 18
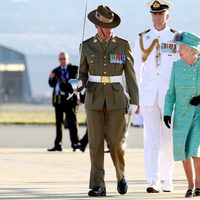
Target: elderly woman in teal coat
183, 97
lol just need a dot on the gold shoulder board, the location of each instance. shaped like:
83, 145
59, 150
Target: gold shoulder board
144, 32
173, 30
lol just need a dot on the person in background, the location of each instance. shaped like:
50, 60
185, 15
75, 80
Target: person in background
64, 101
154, 54
183, 97
104, 58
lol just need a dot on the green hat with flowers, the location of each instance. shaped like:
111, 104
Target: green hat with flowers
188, 39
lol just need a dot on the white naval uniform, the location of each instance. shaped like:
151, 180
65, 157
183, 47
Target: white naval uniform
153, 83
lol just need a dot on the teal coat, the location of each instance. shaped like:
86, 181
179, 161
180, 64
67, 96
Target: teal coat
184, 84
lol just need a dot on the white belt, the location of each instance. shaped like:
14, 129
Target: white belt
106, 79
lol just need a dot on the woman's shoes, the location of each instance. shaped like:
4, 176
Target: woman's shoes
78, 146
188, 193
196, 192
75, 147
82, 148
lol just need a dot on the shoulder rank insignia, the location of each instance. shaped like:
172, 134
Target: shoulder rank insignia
144, 32
85, 41
173, 30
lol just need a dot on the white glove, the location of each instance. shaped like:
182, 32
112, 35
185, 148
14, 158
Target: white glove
133, 108
80, 84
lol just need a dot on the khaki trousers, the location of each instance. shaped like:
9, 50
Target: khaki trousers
109, 125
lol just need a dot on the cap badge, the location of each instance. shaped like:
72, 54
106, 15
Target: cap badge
156, 4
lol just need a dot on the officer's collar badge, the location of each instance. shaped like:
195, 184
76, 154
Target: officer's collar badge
113, 40
95, 40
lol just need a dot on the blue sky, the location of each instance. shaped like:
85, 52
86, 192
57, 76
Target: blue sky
44, 27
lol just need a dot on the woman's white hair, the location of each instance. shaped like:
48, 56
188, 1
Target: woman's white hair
195, 52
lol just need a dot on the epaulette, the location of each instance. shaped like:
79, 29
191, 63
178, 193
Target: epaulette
120, 38
144, 32
173, 30
88, 39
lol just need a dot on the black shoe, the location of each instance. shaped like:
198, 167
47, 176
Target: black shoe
82, 148
188, 193
97, 192
122, 186
196, 192
75, 147
59, 148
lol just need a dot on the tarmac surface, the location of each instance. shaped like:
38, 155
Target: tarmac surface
29, 172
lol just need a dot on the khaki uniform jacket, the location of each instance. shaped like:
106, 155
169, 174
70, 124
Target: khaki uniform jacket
97, 61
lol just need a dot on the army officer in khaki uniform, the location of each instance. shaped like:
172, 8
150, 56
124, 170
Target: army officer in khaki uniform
104, 58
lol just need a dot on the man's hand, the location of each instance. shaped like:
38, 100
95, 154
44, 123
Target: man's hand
134, 108
167, 120
138, 110
52, 75
195, 101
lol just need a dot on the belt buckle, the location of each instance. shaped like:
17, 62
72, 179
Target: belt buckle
105, 79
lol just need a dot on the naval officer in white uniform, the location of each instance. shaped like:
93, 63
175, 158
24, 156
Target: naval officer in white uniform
154, 54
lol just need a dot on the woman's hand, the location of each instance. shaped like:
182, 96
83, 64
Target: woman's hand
167, 120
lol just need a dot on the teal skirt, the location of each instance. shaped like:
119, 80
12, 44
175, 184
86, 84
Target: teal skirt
189, 145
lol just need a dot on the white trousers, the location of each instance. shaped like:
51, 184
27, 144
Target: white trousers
158, 145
